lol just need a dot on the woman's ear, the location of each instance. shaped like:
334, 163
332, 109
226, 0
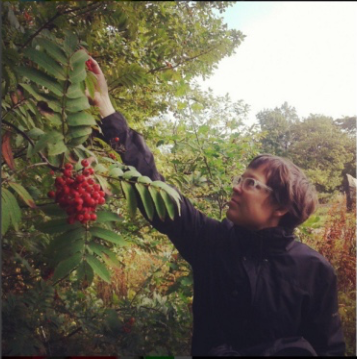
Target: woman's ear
281, 211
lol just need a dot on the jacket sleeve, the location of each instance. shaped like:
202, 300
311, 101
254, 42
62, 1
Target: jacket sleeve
323, 327
188, 231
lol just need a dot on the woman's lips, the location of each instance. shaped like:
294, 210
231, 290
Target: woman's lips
233, 200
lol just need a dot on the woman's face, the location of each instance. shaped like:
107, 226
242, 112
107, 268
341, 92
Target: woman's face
252, 206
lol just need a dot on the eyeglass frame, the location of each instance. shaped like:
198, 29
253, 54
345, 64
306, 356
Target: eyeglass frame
240, 180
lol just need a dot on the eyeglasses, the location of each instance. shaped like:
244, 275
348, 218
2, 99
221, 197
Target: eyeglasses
250, 184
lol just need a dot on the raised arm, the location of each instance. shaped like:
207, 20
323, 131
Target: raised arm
188, 232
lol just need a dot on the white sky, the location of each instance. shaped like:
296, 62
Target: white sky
304, 53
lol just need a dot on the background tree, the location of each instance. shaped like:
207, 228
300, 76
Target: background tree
277, 128
319, 146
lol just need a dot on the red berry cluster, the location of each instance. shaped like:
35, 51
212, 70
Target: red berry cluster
78, 194
128, 325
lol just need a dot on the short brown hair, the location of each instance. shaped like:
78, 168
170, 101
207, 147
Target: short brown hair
291, 188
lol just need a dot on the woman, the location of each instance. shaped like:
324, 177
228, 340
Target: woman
257, 291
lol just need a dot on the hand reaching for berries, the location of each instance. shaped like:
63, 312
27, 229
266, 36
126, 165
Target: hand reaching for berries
101, 94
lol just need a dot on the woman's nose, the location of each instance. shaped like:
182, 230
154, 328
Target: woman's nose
237, 188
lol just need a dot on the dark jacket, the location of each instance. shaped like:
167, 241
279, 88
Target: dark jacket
251, 288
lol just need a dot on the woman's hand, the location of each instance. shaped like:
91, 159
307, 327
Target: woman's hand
101, 94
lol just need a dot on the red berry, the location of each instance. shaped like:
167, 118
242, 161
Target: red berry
51, 194
86, 216
78, 200
101, 200
96, 187
67, 173
116, 139
91, 181
59, 181
91, 170
68, 166
69, 181
93, 217
85, 172
84, 163
90, 65
80, 178
52, 173
101, 193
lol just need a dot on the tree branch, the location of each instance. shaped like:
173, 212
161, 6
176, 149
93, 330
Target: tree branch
180, 63
58, 14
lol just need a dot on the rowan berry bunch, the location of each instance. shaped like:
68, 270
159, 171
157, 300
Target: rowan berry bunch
78, 194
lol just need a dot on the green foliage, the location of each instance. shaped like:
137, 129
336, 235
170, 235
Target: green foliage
63, 284
149, 52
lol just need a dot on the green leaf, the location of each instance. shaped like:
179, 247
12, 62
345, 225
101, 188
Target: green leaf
171, 191
159, 202
130, 196
74, 91
85, 272
77, 141
69, 250
79, 131
53, 50
107, 235
11, 205
104, 216
41, 79
45, 139
67, 266
130, 174
65, 239
80, 57
46, 62
77, 104
57, 226
56, 148
53, 210
105, 253
24, 195
80, 119
146, 199
168, 203
78, 73
103, 183
144, 179
98, 268
42, 97
5, 213
91, 82
115, 172
70, 42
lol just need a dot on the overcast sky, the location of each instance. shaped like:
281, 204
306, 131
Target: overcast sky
304, 53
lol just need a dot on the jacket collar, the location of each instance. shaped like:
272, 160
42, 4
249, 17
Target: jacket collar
267, 241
